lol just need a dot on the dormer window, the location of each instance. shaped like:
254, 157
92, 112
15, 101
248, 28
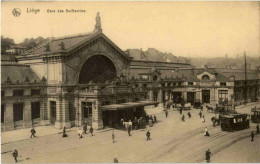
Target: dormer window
205, 77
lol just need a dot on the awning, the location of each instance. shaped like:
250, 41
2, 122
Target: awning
128, 105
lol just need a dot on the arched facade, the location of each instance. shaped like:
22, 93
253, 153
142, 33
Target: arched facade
97, 69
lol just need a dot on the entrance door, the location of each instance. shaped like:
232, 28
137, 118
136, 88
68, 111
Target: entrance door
176, 96
205, 96
53, 111
87, 112
191, 97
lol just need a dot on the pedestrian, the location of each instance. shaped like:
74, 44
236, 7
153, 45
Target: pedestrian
80, 133
148, 134
15, 155
150, 122
203, 119
206, 132
113, 136
181, 110
189, 115
252, 136
130, 124
91, 130
166, 113
208, 153
257, 128
85, 128
200, 114
129, 130
33, 132
155, 120
115, 160
64, 132
183, 118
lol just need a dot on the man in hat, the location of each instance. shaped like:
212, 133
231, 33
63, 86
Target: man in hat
91, 130
113, 137
85, 128
166, 113
33, 132
208, 153
15, 155
252, 136
148, 134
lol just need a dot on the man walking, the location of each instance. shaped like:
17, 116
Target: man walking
252, 136
33, 132
208, 153
113, 136
154, 117
166, 113
183, 118
15, 155
189, 115
91, 130
129, 130
181, 110
200, 114
85, 128
148, 135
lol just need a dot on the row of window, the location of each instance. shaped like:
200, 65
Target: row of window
20, 92
18, 111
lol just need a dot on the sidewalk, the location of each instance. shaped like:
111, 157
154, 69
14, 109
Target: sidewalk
24, 134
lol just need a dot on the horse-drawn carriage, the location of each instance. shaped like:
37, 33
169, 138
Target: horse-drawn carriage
232, 122
255, 117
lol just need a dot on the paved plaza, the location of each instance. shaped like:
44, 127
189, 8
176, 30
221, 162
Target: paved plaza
172, 140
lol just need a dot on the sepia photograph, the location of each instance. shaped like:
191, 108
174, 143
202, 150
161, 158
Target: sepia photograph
130, 82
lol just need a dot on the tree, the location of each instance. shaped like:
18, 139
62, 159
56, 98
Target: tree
29, 43
6, 43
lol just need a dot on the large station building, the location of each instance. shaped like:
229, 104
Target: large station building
88, 78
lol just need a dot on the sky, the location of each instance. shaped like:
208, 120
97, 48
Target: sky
194, 29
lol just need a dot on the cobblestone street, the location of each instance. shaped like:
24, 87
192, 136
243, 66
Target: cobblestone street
171, 141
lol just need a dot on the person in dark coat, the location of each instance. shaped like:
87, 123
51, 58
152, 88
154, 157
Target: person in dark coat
181, 110
257, 129
200, 113
15, 155
129, 130
252, 136
155, 120
208, 153
33, 132
91, 130
85, 128
189, 115
148, 134
113, 136
64, 132
183, 118
166, 113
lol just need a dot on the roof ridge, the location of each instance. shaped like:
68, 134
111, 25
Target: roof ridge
50, 39
71, 36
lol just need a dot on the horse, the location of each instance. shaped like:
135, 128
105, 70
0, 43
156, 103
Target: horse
215, 120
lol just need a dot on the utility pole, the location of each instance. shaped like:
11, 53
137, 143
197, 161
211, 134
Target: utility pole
245, 79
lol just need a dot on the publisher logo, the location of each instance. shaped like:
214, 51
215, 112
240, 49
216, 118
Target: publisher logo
16, 12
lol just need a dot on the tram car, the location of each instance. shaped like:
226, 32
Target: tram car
233, 122
255, 117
